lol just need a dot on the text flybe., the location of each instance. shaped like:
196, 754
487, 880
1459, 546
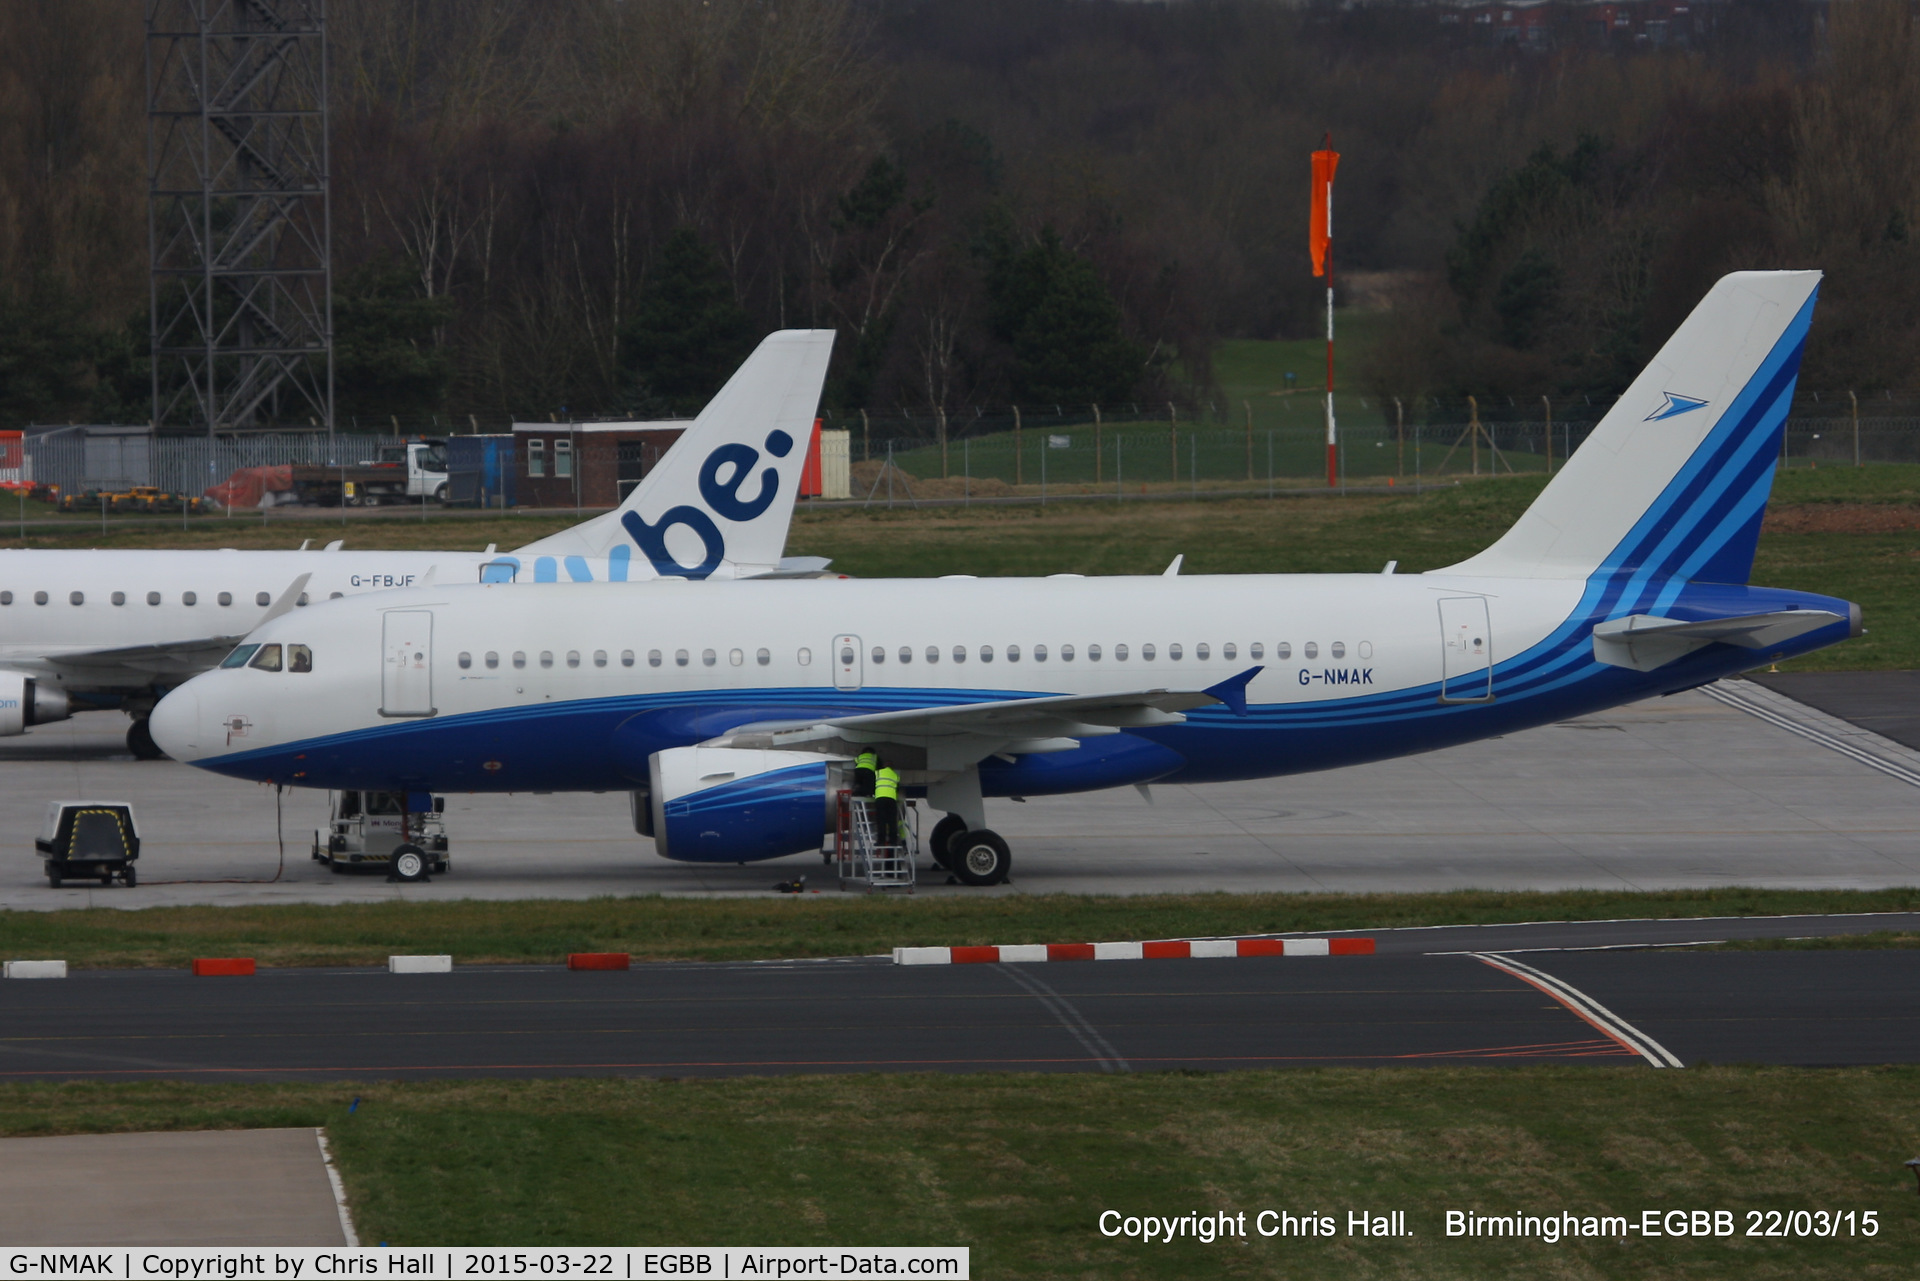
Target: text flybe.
721, 495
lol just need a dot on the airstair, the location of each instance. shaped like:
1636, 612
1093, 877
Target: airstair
871, 860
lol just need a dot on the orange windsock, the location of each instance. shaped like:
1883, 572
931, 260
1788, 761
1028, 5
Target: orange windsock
1320, 224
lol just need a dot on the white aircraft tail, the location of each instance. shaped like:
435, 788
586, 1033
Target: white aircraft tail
724, 493
1674, 481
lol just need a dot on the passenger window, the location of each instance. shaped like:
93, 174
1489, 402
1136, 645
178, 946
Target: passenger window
119, 598
465, 660
680, 657
762, 657
1339, 649
1146, 653
239, 657
626, 658
879, 654
1228, 651
573, 658
76, 598
599, 658
1174, 652
6, 598
906, 653
959, 653
153, 598
1201, 652
1312, 649
519, 658
39, 598
846, 656
300, 658
1013, 653
1093, 653
735, 658
226, 598
1066, 653
986, 653
262, 599
1255, 651
933, 653
1283, 650
1039, 653
268, 659
493, 659
1366, 649
189, 598
546, 658
805, 657
1119, 653
708, 658
653, 658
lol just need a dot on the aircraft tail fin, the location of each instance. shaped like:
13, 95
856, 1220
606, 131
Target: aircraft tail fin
725, 492
1674, 481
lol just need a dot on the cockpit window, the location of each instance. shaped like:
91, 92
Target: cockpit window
268, 659
239, 656
299, 658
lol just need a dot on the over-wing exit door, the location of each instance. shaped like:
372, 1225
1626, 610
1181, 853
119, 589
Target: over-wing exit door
1466, 660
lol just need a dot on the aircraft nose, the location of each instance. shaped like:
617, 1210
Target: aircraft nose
175, 724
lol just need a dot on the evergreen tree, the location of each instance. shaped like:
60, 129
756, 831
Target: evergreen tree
47, 353
689, 333
386, 359
1062, 323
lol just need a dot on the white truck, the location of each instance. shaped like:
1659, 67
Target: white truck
402, 834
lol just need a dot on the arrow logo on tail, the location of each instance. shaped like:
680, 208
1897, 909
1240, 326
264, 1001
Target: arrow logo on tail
1673, 407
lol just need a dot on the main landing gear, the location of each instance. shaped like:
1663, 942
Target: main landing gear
978, 857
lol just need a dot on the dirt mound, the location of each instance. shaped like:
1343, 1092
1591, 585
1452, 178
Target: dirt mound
1842, 518
870, 479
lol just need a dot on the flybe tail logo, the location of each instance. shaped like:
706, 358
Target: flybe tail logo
722, 496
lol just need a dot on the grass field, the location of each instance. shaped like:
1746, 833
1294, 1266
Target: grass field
657, 929
1020, 1167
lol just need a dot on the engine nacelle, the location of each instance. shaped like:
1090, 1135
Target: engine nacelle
25, 702
739, 805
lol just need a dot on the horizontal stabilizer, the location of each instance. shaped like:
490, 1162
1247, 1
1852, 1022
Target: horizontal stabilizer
1644, 642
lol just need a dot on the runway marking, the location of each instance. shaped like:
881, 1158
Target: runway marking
1586, 1008
1071, 1019
1831, 742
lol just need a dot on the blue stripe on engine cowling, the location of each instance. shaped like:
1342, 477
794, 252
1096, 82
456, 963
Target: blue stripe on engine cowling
767, 816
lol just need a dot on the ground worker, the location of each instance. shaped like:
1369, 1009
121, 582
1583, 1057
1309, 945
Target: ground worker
886, 805
863, 767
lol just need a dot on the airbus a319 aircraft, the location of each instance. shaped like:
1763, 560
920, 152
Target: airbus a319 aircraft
104, 629
730, 712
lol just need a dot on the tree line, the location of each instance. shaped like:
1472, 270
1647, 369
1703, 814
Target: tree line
597, 206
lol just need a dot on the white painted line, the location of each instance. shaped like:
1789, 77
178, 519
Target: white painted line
1796, 725
419, 965
1586, 1008
339, 1189
36, 969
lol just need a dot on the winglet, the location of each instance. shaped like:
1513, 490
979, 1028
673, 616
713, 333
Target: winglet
288, 599
1173, 570
1233, 690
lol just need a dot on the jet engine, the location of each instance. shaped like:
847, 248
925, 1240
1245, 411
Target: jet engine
739, 805
25, 702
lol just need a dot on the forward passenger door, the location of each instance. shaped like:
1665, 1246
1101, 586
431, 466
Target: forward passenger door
406, 672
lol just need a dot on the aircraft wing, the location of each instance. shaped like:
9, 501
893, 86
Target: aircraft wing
957, 735
1644, 642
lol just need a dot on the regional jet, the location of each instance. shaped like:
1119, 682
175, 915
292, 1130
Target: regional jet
103, 629
731, 712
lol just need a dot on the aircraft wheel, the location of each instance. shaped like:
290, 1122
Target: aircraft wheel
408, 863
981, 858
140, 742
943, 836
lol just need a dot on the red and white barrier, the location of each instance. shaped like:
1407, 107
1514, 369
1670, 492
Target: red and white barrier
1158, 950
599, 960
222, 966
